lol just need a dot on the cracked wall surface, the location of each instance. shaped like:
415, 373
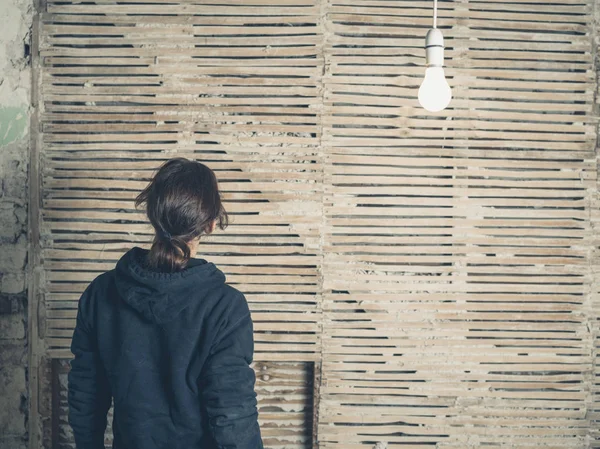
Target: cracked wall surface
15, 82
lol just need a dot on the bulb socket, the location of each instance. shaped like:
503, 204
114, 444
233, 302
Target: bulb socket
434, 48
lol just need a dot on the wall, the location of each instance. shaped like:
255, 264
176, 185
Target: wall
436, 268
16, 16
439, 266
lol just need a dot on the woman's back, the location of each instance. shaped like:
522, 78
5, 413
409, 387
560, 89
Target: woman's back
172, 349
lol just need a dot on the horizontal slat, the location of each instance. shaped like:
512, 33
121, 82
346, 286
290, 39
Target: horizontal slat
439, 266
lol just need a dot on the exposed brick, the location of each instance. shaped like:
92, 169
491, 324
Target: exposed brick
12, 283
13, 387
12, 222
12, 442
11, 304
15, 88
13, 256
12, 352
12, 327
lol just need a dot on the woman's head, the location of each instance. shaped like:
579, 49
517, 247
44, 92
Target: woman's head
182, 202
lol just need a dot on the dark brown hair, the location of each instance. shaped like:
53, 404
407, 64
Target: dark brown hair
182, 201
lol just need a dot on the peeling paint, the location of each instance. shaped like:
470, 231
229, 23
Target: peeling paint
15, 88
13, 124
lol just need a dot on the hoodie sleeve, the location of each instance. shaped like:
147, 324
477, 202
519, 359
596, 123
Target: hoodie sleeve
89, 394
227, 386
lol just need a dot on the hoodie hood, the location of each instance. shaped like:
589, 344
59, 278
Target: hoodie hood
160, 297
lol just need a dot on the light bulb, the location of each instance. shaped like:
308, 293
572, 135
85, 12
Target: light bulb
435, 93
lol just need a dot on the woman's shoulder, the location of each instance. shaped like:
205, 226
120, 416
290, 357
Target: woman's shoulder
100, 283
235, 297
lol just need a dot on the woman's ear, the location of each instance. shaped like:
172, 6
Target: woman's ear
211, 227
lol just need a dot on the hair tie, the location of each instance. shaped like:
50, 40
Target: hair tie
166, 234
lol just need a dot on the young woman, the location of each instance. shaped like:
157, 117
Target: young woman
164, 336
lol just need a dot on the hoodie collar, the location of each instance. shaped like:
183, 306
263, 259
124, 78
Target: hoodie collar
160, 296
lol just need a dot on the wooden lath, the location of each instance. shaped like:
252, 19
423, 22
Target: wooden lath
439, 269
111, 118
457, 256
284, 392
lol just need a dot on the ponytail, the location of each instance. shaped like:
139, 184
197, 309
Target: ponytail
168, 255
182, 201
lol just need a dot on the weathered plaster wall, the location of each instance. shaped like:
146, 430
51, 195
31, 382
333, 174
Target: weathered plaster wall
16, 17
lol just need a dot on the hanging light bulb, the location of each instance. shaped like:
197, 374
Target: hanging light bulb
435, 93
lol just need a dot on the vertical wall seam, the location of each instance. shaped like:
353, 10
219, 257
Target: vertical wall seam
318, 371
33, 266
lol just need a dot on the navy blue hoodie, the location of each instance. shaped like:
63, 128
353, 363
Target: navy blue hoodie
172, 351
